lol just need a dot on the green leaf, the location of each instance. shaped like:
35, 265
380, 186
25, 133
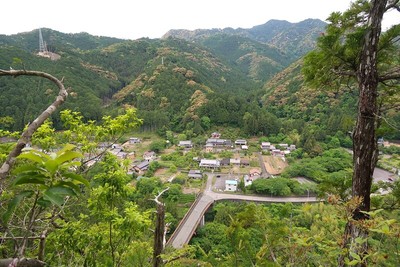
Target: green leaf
29, 178
352, 263
360, 240
68, 156
355, 256
35, 156
71, 185
56, 194
12, 205
27, 168
51, 165
61, 190
67, 147
43, 202
77, 177
53, 198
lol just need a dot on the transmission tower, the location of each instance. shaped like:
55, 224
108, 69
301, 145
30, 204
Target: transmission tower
42, 44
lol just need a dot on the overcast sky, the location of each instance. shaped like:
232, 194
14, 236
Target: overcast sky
133, 19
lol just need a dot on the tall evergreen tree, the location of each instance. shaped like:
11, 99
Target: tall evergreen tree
355, 47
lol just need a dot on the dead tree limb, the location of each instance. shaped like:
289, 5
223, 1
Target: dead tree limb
159, 231
33, 126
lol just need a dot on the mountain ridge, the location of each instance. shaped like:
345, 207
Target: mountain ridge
279, 33
173, 82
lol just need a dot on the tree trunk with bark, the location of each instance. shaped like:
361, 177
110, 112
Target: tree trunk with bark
365, 150
159, 232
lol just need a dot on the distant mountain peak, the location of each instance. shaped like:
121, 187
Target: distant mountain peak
292, 38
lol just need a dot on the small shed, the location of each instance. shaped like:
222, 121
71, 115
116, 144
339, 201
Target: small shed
149, 155
240, 142
224, 162
134, 140
196, 174
185, 144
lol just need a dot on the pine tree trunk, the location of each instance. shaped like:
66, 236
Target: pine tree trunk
365, 151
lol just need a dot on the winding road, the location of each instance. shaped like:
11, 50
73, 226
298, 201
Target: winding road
193, 217
186, 228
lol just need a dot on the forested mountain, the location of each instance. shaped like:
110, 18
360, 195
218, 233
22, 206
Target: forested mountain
204, 71
186, 81
56, 40
293, 39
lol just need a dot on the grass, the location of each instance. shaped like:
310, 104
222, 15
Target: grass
389, 162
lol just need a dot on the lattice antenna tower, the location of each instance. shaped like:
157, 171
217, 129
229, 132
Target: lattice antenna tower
42, 44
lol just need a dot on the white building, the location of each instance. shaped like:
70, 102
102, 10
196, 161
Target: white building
231, 185
185, 144
209, 163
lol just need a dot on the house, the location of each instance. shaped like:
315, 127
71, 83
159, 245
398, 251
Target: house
185, 144
116, 146
284, 146
149, 155
292, 147
119, 152
240, 142
247, 180
265, 146
142, 166
245, 147
215, 135
244, 162
224, 162
277, 153
134, 140
219, 142
380, 141
209, 163
196, 174
231, 185
254, 172
235, 162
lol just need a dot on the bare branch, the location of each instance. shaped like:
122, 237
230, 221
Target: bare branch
27, 134
393, 74
159, 195
393, 5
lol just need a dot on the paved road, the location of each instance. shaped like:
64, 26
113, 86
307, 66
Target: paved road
185, 230
382, 175
189, 223
379, 174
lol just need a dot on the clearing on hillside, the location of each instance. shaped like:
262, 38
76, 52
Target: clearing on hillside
274, 165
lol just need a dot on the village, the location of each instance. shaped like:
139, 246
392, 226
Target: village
249, 160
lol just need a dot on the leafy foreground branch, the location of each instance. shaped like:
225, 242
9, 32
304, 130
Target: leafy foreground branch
35, 124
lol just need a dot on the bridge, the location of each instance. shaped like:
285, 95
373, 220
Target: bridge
195, 216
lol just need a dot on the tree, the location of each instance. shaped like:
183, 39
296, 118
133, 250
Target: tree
47, 181
354, 47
